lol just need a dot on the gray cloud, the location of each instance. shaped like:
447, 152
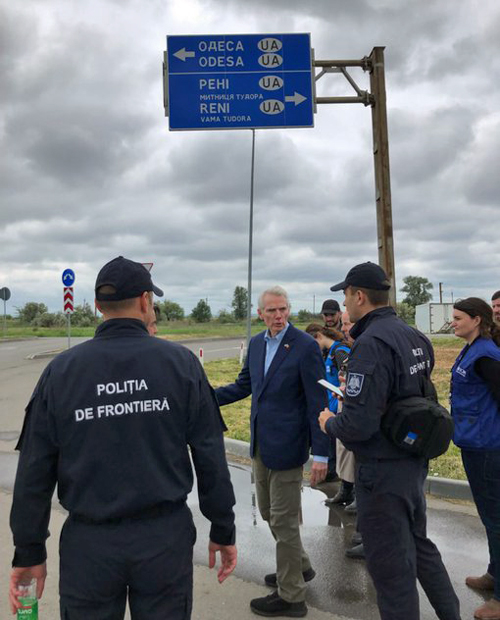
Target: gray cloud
90, 170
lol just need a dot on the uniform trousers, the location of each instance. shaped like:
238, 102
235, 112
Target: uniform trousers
279, 501
483, 472
148, 560
392, 521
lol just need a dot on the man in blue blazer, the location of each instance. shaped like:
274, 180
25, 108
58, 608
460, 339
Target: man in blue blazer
281, 372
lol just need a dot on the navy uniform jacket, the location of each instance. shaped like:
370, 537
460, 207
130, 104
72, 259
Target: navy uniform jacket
110, 422
386, 360
286, 402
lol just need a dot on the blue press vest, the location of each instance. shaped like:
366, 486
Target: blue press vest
332, 373
473, 407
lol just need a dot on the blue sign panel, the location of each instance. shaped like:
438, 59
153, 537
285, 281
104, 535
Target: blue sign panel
68, 277
239, 81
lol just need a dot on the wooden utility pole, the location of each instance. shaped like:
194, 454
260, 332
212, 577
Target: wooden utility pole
377, 100
382, 170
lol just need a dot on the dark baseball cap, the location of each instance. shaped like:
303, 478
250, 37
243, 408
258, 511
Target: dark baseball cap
130, 279
330, 306
366, 275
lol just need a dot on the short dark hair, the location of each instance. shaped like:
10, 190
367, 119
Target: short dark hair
113, 307
495, 295
375, 297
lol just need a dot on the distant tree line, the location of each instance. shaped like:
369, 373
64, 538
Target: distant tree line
417, 291
37, 315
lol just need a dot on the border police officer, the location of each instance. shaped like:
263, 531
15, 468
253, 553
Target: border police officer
385, 363
110, 422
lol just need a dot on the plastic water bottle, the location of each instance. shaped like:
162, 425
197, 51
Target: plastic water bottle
28, 600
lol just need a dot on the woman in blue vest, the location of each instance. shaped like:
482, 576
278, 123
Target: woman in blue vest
475, 406
333, 342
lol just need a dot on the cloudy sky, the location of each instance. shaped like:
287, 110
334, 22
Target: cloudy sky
89, 169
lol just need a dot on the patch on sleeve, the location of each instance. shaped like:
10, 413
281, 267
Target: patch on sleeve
354, 384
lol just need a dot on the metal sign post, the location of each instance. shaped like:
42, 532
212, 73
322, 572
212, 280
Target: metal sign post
68, 279
250, 247
5, 295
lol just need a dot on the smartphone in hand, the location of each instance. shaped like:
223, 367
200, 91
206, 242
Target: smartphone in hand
333, 388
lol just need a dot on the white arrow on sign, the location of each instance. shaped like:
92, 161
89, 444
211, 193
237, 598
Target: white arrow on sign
183, 53
297, 98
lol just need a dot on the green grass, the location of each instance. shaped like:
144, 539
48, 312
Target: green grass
185, 330
176, 330
17, 331
237, 415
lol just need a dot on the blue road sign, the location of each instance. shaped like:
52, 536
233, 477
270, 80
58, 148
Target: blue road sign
68, 277
239, 81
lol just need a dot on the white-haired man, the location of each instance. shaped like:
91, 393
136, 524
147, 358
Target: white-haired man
281, 372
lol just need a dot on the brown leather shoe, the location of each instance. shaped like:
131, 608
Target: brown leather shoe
489, 611
485, 582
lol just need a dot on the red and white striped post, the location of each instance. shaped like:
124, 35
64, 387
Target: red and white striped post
200, 357
69, 308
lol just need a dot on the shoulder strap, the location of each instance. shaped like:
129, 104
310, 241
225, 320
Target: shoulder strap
427, 387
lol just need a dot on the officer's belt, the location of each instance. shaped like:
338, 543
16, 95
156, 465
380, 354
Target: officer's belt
148, 513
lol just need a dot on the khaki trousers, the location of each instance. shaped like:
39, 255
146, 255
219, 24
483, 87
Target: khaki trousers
346, 465
345, 462
278, 497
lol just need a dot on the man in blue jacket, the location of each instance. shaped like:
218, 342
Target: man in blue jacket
281, 372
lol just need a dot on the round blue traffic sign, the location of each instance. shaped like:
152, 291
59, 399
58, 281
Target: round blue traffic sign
68, 277
5, 293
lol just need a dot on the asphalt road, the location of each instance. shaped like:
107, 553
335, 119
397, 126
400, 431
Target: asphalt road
22, 362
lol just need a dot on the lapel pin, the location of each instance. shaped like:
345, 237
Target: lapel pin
287, 346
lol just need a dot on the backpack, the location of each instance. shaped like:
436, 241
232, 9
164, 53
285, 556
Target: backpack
419, 424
